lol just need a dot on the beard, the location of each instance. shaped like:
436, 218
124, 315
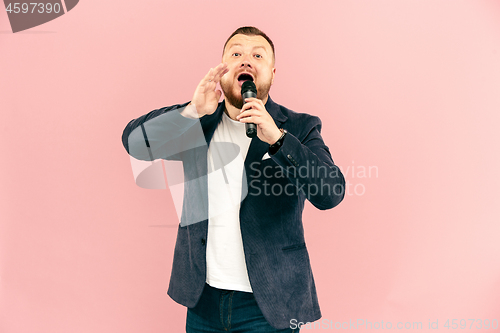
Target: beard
234, 97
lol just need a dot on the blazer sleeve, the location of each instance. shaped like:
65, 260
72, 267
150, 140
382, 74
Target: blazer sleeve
162, 133
308, 164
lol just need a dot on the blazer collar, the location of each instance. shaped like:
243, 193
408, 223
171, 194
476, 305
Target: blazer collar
275, 112
257, 147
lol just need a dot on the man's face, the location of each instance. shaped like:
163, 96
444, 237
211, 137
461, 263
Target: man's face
247, 58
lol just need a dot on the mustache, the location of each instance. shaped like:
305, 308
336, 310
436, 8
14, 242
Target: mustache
233, 95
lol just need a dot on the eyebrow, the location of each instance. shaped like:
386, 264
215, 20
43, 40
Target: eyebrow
255, 47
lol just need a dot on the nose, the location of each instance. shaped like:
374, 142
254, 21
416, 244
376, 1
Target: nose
245, 63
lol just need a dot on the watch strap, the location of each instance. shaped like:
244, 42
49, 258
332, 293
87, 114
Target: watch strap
277, 145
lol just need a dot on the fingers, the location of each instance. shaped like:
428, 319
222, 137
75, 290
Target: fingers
252, 119
256, 119
209, 77
215, 74
254, 113
219, 72
253, 103
206, 78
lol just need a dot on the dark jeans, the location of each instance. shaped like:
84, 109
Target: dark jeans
220, 310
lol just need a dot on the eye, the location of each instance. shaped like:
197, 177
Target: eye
258, 56
236, 54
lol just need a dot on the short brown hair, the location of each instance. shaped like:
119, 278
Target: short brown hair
250, 31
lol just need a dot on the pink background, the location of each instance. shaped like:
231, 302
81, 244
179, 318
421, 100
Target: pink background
408, 88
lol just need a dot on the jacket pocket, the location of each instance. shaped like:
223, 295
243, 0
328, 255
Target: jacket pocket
294, 247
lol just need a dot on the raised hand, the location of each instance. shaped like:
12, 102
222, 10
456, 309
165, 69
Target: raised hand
206, 98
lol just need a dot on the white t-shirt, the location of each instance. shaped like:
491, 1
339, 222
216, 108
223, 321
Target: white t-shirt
226, 267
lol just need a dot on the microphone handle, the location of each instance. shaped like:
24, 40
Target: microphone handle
250, 128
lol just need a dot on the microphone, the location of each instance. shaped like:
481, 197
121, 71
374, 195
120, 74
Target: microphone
249, 90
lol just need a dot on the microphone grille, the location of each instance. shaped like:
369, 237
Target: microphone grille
248, 85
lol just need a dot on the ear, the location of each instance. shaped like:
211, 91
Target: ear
272, 78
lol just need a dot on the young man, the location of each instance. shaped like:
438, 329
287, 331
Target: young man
240, 261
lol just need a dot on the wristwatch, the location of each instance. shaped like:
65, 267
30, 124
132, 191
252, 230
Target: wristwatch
273, 149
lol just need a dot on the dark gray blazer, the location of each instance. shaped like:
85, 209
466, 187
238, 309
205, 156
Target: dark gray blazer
270, 214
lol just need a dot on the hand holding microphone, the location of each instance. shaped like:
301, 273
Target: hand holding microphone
255, 116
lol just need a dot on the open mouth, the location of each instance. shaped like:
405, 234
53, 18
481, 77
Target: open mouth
244, 77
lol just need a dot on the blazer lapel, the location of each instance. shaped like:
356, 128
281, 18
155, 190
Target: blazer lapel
257, 147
